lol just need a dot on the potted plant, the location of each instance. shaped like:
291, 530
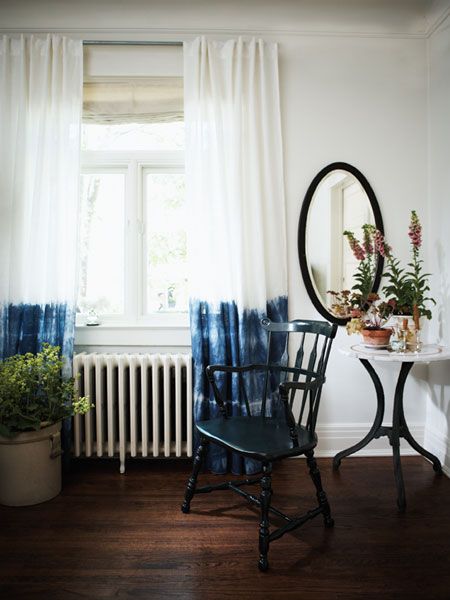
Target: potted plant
34, 399
370, 321
408, 288
343, 303
367, 313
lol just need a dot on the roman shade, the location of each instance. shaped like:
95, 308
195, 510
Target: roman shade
133, 100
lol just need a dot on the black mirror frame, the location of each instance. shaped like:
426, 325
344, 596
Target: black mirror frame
301, 236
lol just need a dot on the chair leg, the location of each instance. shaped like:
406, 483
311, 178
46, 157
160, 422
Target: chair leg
266, 493
192, 482
321, 496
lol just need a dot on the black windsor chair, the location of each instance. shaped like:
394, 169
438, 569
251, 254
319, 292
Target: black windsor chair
271, 438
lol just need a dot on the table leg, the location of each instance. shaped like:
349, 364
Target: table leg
395, 433
377, 421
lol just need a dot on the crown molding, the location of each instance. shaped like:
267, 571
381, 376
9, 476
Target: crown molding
438, 22
189, 33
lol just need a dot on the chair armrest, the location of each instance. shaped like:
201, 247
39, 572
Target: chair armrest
211, 369
312, 384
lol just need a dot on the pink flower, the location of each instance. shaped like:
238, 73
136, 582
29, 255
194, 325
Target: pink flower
368, 235
380, 245
415, 230
358, 251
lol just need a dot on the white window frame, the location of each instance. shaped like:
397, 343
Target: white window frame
134, 164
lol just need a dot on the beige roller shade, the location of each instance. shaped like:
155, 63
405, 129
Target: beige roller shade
137, 100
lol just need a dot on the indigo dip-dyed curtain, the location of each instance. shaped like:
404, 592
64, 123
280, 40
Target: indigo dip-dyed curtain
41, 81
235, 194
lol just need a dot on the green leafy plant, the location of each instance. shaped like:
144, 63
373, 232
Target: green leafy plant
375, 315
417, 280
398, 287
346, 302
33, 393
408, 288
342, 302
366, 253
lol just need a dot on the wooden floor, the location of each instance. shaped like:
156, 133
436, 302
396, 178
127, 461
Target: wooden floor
123, 536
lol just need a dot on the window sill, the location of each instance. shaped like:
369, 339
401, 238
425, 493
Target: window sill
120, 334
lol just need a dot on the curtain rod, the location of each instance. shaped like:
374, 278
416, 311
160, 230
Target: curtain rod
127, 43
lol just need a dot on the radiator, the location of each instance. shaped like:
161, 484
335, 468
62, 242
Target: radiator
142, 405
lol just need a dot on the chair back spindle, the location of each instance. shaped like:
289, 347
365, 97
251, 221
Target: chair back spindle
313, 350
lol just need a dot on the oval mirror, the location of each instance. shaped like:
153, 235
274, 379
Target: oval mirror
339, 198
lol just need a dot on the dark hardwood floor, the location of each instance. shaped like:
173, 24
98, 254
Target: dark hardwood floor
123, 536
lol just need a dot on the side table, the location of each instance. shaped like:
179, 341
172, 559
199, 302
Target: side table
399, 428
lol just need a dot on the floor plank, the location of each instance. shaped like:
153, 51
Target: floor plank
123, 536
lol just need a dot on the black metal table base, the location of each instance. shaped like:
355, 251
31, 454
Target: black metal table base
399, 429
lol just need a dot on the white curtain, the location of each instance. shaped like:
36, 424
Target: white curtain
41, 81
235, 171
235, 194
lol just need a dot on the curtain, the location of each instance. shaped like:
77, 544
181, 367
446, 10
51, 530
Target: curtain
235, 194
40, 115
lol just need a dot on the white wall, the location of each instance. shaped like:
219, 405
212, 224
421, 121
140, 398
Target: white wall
363, 101
353, 81
438, 409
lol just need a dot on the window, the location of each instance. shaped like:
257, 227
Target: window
164, 242
132, 242
101, 253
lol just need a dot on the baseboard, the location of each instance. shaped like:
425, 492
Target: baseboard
338, 436
438, 443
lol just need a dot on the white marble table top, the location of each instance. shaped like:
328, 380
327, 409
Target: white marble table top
429, 353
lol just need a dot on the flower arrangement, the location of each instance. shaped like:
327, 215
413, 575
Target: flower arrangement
33, 393
375, 315
347, 303
406, 290
367, 255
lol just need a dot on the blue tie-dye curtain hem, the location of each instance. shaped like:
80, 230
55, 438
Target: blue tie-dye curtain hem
224, 335
26, 327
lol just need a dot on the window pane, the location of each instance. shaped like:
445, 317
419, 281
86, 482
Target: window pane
165, 243
134, 136
101, 267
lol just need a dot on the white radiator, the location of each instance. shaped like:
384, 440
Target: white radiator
143, 405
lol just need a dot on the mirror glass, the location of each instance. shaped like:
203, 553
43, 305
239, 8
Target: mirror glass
339, 199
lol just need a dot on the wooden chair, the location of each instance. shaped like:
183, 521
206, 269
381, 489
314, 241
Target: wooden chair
270, 438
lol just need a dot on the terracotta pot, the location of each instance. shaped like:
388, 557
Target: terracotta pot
376, 337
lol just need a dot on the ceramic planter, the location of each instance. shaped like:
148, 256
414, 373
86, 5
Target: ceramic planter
30, 466
376, 337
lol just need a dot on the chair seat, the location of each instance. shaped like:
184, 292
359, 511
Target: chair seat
257, 437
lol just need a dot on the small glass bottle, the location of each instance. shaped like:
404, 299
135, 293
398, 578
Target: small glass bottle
398, 343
